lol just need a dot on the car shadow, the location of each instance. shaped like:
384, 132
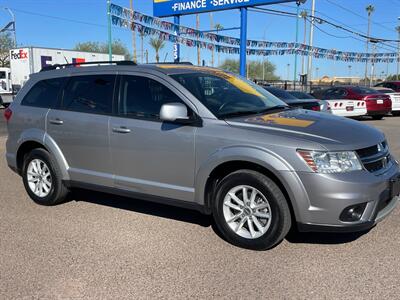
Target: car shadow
194, 217
323, 238
141, 206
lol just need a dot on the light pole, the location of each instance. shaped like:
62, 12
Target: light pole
311, 41
14, 25
288, 71
109, 30
304, 15
370, 9
349, 66
316, 72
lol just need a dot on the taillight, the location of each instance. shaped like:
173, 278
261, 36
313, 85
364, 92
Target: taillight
7, 114
316, 108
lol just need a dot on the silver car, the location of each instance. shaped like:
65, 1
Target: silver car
199, 138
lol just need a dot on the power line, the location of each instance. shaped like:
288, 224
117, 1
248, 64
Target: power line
358, 15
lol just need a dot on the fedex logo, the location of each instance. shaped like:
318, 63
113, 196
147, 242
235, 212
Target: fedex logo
19, 54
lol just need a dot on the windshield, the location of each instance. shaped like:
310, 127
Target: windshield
301, 95
363, 90
385, 91
281, 94
225, 94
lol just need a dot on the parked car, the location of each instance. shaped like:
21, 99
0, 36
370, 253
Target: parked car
293, 101
353, 100
394, 85
200, 138
394, 96
324, 105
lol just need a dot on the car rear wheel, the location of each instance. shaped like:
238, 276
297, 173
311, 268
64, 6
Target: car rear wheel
42, 179
378, 117
251, 211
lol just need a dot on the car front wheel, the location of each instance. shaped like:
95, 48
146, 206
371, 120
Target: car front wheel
251, 211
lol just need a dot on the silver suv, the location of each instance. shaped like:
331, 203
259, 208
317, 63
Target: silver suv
200, 138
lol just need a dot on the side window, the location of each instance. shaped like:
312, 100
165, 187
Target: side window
44, 93
341, 93
329, 94
89, 94
143, 97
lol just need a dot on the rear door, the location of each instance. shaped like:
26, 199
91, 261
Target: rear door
150, 156
79, 126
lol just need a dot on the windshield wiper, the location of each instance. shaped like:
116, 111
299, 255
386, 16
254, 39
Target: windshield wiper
253, 112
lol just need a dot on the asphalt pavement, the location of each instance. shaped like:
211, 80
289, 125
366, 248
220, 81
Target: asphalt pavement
100, 246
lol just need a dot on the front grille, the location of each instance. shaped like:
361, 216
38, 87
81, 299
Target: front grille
375, 158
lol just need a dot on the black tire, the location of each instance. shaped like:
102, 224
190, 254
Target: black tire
58, 191
396, 113
281, 217
378, 117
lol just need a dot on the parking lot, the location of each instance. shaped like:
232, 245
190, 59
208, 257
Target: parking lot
99, 246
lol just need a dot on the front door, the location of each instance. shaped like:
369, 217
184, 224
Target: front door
149, 156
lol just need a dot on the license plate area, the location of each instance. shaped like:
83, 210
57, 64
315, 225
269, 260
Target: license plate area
379, 101
395, 186
349, 108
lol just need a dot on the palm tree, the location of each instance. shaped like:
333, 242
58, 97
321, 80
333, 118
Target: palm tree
157, 45
218, 27
370, 9
141, 33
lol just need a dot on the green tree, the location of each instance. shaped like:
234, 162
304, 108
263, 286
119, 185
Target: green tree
255, 69
117, 47
6, 44
157, 45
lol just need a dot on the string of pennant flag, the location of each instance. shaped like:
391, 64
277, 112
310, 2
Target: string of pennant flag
148, 25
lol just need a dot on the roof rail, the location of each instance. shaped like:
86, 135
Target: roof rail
173, 63
63, 66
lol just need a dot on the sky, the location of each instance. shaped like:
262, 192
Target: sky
64, 23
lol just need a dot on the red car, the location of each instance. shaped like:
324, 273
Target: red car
394, 85
378, 104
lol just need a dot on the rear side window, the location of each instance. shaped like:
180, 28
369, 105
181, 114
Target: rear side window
89, 94
44, 93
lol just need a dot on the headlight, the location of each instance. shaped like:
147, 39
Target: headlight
331, 162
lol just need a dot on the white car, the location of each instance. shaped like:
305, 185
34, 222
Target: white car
340, 106
394, 96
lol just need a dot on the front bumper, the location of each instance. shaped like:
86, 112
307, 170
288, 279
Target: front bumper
329, 194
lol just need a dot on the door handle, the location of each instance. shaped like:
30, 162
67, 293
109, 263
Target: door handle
56, 122
121, 129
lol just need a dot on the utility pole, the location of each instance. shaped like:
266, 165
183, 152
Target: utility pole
371, 81
349, 66
398, 50
304, 15
316, 73
14, 25
133, 34
310, 57
198, 47
212, 50
288, 71
370, 9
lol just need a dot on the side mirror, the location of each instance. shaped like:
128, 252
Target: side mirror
174, 112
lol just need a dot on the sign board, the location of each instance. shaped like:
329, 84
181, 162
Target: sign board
166, 8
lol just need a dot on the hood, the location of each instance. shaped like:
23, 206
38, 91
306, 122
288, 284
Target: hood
332, 132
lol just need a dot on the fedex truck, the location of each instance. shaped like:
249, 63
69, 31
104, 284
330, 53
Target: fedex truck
28, 60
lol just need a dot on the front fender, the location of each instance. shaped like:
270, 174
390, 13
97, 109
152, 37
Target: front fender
262, 157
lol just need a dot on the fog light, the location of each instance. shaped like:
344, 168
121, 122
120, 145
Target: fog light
353, 213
